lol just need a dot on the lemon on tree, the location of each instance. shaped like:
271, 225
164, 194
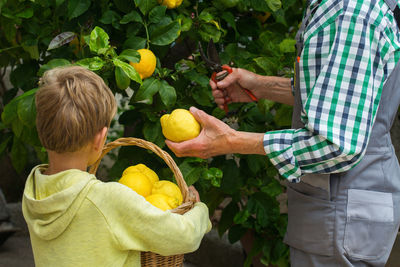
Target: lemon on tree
162, 201
170, 3
147, 63
169, 189
138, 182
142, 168
179, 126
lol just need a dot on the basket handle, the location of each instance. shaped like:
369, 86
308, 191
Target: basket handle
188, 199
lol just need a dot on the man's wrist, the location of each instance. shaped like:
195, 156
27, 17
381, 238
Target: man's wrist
246, 143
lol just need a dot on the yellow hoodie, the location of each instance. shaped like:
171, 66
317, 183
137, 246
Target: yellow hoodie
76, 220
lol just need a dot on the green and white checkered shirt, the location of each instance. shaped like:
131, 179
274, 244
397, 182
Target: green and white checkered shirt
350, 49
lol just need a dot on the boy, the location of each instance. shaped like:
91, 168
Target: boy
75, 219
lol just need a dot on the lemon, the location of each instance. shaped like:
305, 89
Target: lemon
179, 126
162, 202
169, 189
147, 63
153, 177
137, 182
170, 3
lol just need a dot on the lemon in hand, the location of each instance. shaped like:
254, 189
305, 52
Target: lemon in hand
137, 182
179, 126
147, 63
153, 177
169, 189
162, 202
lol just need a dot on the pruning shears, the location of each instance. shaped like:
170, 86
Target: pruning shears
213, 63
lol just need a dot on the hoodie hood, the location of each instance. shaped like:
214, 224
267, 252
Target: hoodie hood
50, 202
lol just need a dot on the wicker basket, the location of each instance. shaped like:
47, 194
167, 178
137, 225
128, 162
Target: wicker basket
151, 259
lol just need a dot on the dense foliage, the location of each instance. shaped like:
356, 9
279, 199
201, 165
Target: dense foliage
104, 36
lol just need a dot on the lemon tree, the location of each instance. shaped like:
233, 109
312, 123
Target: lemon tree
40, 35
180, 125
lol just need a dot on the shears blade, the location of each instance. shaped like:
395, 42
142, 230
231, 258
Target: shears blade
213, 61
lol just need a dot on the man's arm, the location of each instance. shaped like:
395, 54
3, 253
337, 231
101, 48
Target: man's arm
230, 89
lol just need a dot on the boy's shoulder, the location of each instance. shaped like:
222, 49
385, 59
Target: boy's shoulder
113, 193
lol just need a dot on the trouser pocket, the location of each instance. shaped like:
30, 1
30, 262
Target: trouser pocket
310, 223
369, 224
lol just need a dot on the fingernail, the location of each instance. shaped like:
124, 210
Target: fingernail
193, 109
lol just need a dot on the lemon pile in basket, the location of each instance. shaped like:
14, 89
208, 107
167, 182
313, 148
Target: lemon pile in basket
162, 194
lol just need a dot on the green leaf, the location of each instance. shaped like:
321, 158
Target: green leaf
59, 2
283, 116
165, 34
198, 78
4, 144
167, 94
230, 18
61, 39
145, 5
77, 7
99, 40
152, 131
287, 46
203, 96
131, 16
131, 55
121, 78
231, 181
186, 22
57, 62
274, 5
274, 188
260, 204
214, 175
9, 113
266, 5
135, 43
109, 17
208, 32
227, 215
241, 216
265, 105
146, 92
31, 46
268, 65
206, 16
191, 173
236, 232
128, 69
157, 13
19, 155
26, 13
93, 63
256, 163
26, 109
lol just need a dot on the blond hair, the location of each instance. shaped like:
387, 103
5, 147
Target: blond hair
73, 104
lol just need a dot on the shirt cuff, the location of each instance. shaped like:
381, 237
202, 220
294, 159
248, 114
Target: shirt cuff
279, 149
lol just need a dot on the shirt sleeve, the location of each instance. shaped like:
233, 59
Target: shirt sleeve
341, 77
138, 225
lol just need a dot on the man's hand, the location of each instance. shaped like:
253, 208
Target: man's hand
214, 138
231, 88
194, 194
